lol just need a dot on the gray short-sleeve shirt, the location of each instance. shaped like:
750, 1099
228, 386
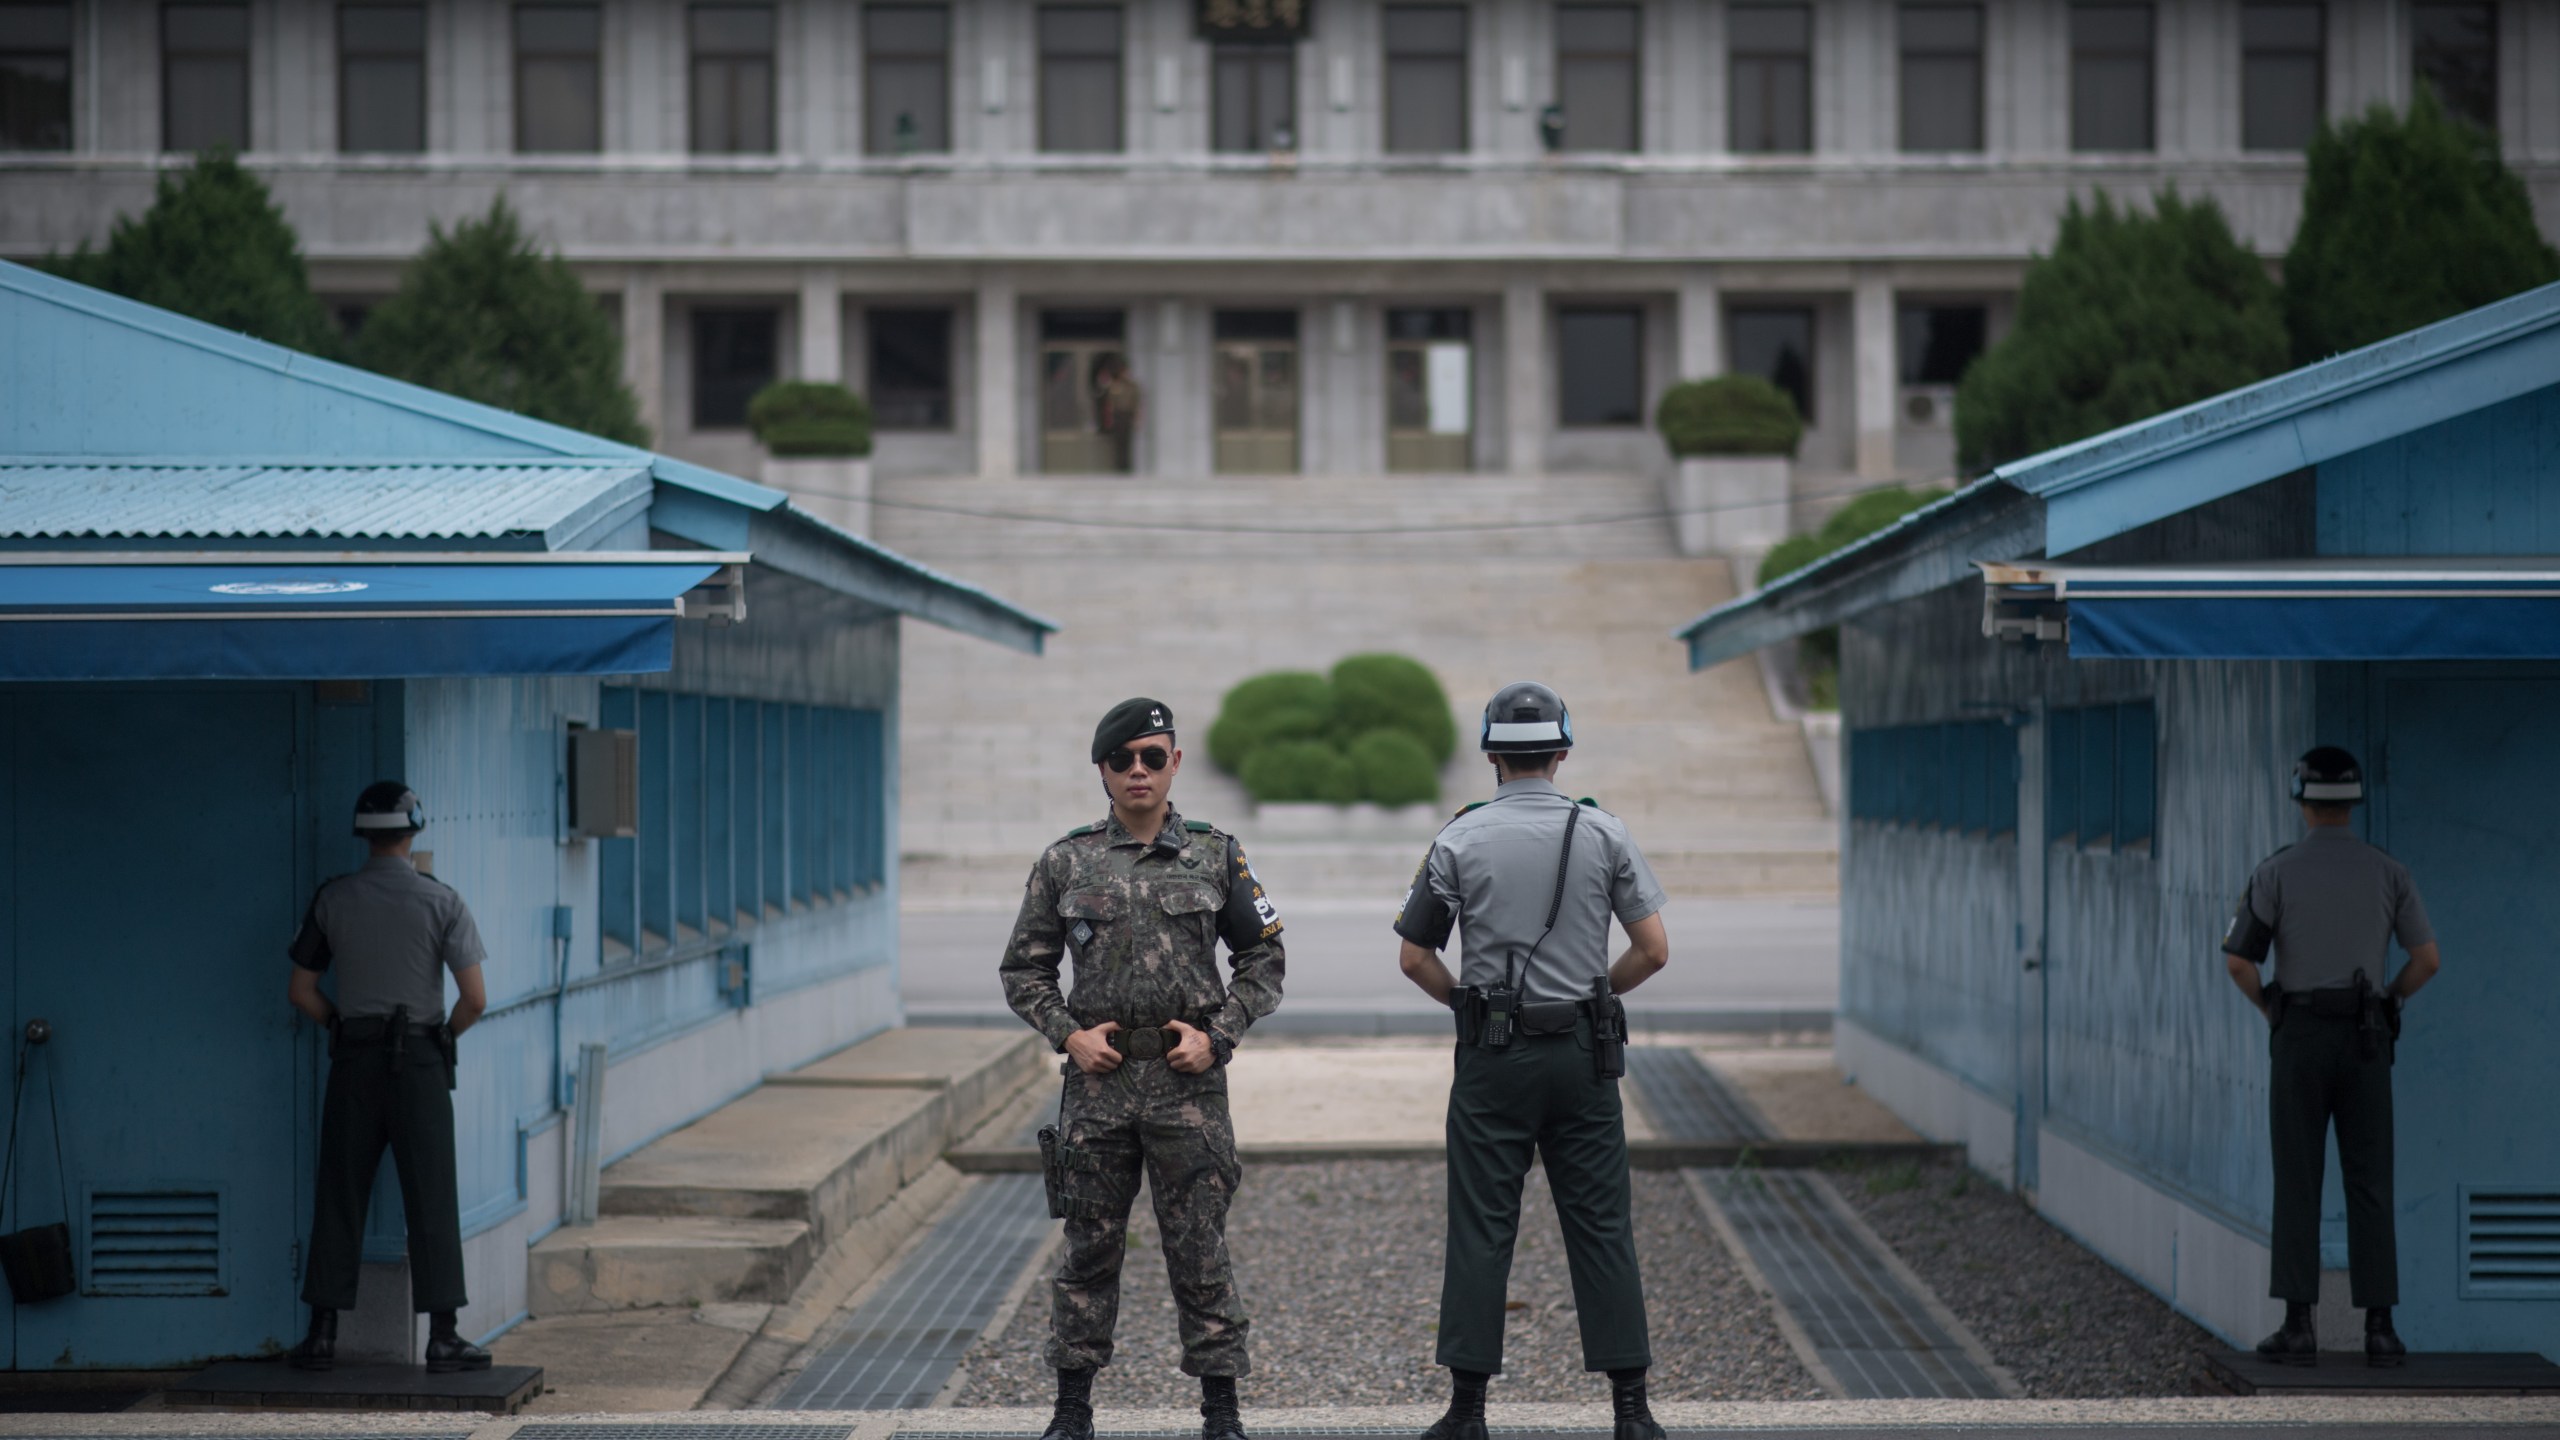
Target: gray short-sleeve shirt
1492, 873
2330, 906
391, 934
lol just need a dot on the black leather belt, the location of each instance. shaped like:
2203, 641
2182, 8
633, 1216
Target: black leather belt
2336, 1002
1146, 1042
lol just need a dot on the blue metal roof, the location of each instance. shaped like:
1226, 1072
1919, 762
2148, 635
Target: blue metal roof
553, 502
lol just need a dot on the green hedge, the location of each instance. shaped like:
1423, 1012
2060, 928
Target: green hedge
1394, 769
1283, 705
1377, 729
812, 418
1849, 524
1394, 692
1301, 770
1728, 415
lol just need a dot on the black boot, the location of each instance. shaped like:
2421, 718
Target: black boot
2382, 1347
447, 1351
1073, 1419
1465, 1420
319, 1347
1221, 1417
2297, 1343
1626, 1400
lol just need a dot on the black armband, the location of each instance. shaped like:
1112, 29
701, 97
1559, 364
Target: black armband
1426, 919
2249, 937
310, 947
1247, 919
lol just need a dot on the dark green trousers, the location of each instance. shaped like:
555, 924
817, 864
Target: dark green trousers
2314, 1078
372, 1103
1539, 1098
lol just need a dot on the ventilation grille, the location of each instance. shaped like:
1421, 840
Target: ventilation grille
155, 1242
2511, 1242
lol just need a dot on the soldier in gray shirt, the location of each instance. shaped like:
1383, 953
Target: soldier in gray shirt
392, 934
1532, 878
2329, 907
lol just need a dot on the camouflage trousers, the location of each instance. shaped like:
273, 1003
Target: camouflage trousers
1145, 1121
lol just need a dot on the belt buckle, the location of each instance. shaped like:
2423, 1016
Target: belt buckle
1148, 1042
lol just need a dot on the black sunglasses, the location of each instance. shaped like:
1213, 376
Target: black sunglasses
1153, 757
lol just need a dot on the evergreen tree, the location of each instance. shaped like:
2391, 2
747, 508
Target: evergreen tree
2406, 219
2132, 314
483, 314
213, 245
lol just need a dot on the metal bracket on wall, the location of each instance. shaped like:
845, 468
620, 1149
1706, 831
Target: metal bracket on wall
722, 599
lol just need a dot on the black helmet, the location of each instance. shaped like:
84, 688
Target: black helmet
2328, 775
388, 810
1525, 718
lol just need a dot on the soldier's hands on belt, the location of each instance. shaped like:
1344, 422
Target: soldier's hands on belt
1092, 1052
1193, 1055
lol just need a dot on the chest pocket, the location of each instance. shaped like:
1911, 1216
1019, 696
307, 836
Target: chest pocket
1089, 915
1190, 911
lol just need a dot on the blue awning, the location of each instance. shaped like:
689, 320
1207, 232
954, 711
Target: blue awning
320, 617
2344, 609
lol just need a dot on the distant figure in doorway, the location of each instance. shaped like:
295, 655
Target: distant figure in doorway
1116, 403
2330, 906
392, 933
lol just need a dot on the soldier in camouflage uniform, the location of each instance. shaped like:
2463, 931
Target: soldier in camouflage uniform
1141, 899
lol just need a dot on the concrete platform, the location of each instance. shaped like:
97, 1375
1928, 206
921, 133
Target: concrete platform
821, 1155
274, 1385
631, 1262
632, 1360
976, 1070
2423, 1374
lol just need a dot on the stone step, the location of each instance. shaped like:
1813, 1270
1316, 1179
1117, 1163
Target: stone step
632, 1262
954, 1062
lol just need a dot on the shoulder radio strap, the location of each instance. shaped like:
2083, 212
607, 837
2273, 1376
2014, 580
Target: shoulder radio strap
1555, 902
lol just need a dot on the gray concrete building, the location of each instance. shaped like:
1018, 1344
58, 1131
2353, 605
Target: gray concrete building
1327, 236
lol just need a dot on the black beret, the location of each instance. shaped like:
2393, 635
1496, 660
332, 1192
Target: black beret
1127, 721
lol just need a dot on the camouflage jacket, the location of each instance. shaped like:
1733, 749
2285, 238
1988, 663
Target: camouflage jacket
1143, 923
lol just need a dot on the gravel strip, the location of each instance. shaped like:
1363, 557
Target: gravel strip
2066, 1323
1340, 1264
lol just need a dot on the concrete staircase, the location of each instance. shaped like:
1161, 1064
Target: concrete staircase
741, 1203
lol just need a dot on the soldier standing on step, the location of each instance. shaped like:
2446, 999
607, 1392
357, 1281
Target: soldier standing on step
2329, 907
391, 932
1541, 1042
1141, 898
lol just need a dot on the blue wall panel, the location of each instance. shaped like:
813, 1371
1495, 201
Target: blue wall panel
2487, 483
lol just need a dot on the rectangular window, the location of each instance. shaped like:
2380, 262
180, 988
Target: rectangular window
1597, 82
2137, 769
2061, 775
382, 79
2111, 77
2002, 750
1600, 366
204, 78
1080, 81
1776, 344
910, 369
1941, 78
618, 894
1253, 98
776, 850
2454, 49
871, 767
1973, 776
720, 814
35, 77
2097, 777
906, 68
735, 354
1939, 341
1253, 392
1770, 85
807, 835
1430, 391
656, 840
731, 81
559, 79
691, 806
2282, 76
1426, 84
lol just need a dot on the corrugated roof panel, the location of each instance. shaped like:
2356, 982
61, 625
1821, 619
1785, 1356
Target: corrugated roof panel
39, 500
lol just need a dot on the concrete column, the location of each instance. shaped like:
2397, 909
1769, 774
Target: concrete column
644, 346
1169, 405
1872, 345
1701, 325
1524, 370
821, 323
999, 406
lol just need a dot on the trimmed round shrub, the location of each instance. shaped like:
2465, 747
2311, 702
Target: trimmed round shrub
1394, 769
1728, 415
810, 418
1283, 705
1394, 692
1300, 770
1848, 525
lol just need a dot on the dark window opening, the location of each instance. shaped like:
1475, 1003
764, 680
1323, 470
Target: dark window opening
1941, 77
1597, 80
1080, 81
2112, 89
1600, 366
1776, 344
35, 77
2454, 49
1770, 84
1254, 98
735, 354
906, 68
911, 369
382, 79
1426, 79
2282, 81
731, 81
1938, 341
204, 78
559, 79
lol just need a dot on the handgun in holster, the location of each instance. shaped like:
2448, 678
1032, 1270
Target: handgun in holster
1608, 1016
2376, 1026
450, 1048
1053, 1170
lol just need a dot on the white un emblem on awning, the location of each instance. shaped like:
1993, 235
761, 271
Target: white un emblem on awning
287, 587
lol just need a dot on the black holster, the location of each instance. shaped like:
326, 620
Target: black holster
1053, 1170
2377, 1026
1607, 1015
450, 1048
